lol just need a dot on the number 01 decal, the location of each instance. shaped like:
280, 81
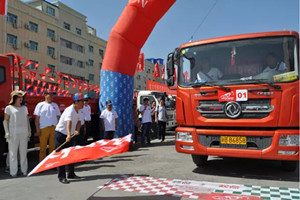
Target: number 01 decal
241, 95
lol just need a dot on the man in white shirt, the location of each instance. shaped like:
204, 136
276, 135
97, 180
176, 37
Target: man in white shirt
69, 124
208, 73
161, 118
145, 110
46, 117
109, 121
87, 118
273, 65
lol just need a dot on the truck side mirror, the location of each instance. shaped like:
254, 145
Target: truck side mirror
170, 69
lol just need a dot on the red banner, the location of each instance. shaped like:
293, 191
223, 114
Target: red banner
155, 86
163, 72
76, 154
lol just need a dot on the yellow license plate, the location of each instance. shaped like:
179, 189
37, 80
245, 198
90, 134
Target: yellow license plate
233, 140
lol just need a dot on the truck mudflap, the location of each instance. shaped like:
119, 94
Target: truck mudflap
281, 144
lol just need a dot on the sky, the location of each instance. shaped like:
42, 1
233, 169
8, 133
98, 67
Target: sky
199, 19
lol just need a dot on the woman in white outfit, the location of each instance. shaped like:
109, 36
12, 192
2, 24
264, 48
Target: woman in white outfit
17, 132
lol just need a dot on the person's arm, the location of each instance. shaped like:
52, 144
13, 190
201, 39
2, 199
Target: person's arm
116, 124
5, 125
69, 127
37, 125
78, 126
103, 126
143, 111
29, 128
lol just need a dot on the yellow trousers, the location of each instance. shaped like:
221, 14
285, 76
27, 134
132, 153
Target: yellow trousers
47, 134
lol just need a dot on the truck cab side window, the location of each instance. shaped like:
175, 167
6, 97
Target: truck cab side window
2, 75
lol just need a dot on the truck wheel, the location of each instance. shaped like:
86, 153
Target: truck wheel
200, 160
289, 165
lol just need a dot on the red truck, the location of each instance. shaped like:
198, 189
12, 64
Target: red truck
8, 83
238, 96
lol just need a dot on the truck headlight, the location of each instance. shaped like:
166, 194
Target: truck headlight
184, 136
289, 140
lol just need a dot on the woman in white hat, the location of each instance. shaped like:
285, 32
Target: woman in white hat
17, 132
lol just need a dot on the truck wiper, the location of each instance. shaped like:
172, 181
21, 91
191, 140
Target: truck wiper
199, 84
258, 81
216, 85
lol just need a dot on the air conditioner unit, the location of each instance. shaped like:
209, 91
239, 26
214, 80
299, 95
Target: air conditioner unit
15, 25
53, 56
26, 44
87, 63
26, 25
54, 38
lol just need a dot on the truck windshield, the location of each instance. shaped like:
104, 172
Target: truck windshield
269, 60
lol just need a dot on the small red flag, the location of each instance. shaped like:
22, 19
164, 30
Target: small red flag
140, 64
47, 70
156, 73
163, 72
74, 86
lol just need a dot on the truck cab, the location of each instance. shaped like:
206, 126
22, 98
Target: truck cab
238, 96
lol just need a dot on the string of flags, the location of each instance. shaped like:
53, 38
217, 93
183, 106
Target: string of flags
57, 81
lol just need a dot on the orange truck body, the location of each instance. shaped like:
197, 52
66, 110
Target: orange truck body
282, 121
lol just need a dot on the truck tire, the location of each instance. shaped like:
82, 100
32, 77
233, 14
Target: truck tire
289, 165
200, 160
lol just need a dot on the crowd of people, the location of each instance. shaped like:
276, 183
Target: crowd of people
70, 128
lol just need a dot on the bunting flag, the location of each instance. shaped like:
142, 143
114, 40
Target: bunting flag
74, 86
57, 73
156, 73
67, 83
95, 150
36, 65
51, 78
27, 76
163, 72
32, 79
85, 88
38, 82
80, 88
54, 87
27, 63
58, 80
28, 86
42, 76
32, 73
140, 64
44, 84
49, 86
47, 70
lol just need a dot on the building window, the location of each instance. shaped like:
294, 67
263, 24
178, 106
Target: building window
101, 53
67, 26
91, 62
32, 65
50, 11
100, 65
33, 27
11, 18
148, 70
51, 33
33, 45
69, 44
80, 48
52, 67
78, 31
91, 48
11, 39
91, 77
66, 60
80, 64
50, 51
138, 77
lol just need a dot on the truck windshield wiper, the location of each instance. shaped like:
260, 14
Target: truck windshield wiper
199, 84
258, 81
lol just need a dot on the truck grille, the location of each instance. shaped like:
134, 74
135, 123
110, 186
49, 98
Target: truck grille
253, 142
251, 109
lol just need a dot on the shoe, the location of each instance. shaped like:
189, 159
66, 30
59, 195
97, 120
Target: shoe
64, 181
73, 176
6, 170
14, 176
24, 174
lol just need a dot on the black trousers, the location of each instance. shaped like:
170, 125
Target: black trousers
109, 135
88, 129
162, 129
59, 139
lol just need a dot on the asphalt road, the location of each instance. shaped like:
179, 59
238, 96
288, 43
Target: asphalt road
158, 160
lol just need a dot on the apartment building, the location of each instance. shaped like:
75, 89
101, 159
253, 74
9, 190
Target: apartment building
57, 36
53, 35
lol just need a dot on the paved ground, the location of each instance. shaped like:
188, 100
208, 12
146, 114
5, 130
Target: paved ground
160, 160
